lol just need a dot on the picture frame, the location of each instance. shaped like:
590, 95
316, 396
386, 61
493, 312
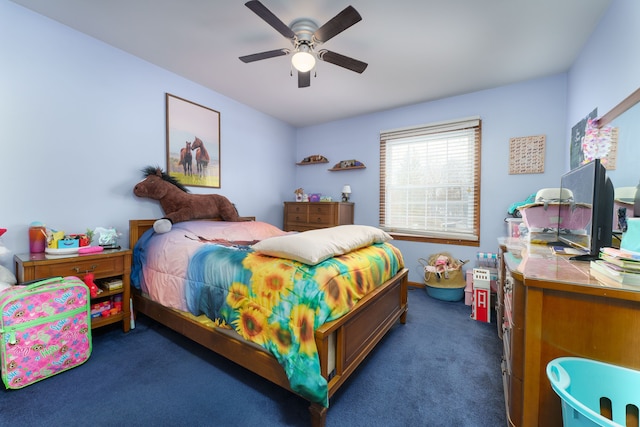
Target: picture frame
193, 142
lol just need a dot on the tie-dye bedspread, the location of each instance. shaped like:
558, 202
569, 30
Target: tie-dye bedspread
278, 303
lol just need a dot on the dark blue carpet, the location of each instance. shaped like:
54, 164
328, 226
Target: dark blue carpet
439, 369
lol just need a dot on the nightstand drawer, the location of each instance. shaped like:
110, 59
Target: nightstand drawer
103, 267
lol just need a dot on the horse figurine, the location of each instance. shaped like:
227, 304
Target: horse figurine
186, 159
178, 204
202, 156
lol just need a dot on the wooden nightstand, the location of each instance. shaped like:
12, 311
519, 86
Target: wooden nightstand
107, 264
302, 216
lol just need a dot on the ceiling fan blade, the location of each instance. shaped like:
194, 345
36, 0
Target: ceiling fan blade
304, 79
337, 24
342, 61
271, 19
264, 55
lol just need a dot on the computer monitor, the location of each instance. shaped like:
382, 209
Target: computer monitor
585, 219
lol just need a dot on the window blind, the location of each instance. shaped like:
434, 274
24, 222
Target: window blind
430, 180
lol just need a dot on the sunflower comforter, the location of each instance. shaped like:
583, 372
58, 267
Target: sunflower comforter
276, 303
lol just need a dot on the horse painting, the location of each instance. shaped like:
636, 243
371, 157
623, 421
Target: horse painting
186, 159
178, 204
202, 156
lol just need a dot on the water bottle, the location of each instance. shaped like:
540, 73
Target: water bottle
37, 237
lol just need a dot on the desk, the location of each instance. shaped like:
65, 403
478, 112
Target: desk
553, 308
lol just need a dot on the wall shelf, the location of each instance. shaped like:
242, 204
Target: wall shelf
345, 165
311, 163
312, 160
336, 169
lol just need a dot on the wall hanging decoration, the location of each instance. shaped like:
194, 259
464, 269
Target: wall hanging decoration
577, 135
193, 143
526, 154
600, 143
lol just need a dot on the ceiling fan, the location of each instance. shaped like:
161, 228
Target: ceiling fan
306, 37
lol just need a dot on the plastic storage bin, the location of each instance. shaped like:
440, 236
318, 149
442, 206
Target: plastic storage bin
589, 389
513, 226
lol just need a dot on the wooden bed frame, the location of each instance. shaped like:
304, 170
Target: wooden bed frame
353, 336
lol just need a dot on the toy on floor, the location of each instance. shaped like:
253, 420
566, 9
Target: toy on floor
176, 202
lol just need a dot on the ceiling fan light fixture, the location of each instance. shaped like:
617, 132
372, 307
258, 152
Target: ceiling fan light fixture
302, 60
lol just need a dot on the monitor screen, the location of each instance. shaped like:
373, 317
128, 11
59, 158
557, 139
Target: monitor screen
586, 212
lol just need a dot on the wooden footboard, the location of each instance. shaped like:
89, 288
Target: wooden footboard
351, 337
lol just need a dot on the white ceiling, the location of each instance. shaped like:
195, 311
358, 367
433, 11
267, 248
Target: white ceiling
417, 50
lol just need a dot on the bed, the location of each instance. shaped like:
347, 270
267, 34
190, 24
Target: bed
175, 291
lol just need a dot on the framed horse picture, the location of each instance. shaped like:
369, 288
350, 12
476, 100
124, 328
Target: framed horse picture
193, 143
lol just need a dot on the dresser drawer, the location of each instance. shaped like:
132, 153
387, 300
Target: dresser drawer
321, 214
102, 267
321, 209
302, 216
321, 218
293, 209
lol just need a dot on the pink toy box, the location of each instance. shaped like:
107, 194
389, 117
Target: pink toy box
44, 329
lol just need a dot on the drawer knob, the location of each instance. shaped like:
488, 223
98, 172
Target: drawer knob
78, 269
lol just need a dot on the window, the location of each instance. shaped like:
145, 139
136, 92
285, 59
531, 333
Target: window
430, 182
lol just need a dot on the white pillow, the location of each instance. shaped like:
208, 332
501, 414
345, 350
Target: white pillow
314, 246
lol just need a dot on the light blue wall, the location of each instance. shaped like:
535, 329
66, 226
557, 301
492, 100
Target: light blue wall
79, 119
535, 107
608, 68
606, 72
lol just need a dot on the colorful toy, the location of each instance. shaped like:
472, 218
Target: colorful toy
46, 330
93, 288
176, 202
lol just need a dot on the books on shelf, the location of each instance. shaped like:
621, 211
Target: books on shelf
606, 272
111, 284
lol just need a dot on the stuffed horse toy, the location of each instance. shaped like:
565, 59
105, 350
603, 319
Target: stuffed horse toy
178, 204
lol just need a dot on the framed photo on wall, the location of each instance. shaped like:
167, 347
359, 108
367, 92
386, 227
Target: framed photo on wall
193, 143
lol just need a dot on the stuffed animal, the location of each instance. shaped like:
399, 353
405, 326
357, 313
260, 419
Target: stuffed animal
178, 204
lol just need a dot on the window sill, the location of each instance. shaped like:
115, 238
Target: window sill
438, 240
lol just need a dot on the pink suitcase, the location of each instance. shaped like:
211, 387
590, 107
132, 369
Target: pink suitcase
45, 329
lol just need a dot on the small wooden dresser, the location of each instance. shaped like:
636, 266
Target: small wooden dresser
302, 216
